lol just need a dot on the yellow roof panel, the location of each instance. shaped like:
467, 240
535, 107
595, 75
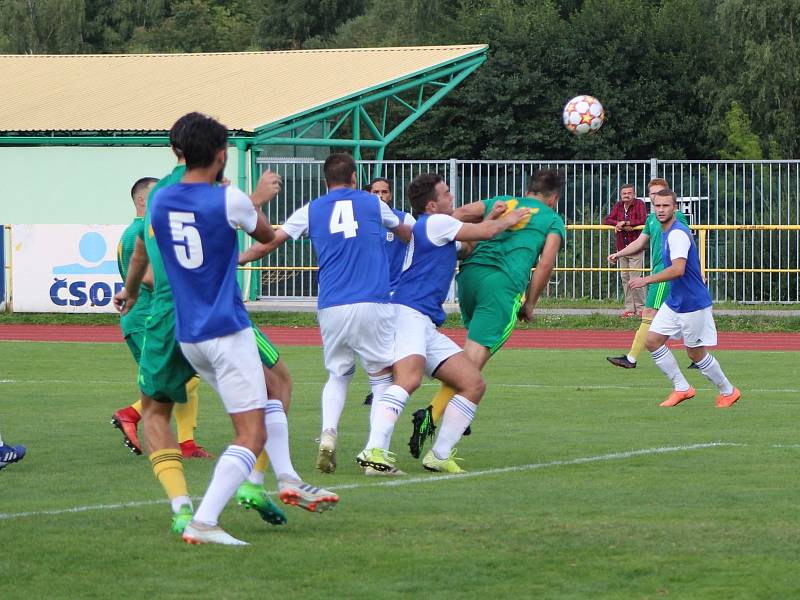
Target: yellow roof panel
148, 92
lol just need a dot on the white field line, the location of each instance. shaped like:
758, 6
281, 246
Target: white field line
427, 384
413, 480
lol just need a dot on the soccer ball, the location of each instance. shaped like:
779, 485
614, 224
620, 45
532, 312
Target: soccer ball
583, 114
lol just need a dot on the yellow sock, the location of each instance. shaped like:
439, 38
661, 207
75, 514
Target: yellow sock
137, 406
639, 338
186, 414
168, 469
440, 402
262, 462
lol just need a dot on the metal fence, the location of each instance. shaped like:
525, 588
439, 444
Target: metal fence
742, 265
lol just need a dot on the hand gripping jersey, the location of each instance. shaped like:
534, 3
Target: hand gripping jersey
429, 267
688, 292
195, 228
346, 227
516, 251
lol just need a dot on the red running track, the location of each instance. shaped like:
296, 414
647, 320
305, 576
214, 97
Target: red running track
522, 338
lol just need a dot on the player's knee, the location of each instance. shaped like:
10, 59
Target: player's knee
652, 344
410, 382
474, 388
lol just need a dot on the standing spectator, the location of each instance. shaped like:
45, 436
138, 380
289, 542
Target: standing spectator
628, 213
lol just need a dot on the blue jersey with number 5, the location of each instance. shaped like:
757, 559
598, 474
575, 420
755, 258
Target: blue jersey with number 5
200, 252
346, 228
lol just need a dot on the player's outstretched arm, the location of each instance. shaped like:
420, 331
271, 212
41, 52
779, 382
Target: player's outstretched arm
636, 246
485, 230
137, 269
259, 250
541, 275
674, 271
470, 213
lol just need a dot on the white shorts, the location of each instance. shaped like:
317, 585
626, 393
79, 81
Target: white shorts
365, 330
416, 334
697, 328
232, 366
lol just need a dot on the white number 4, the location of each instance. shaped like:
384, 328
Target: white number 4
188, 247
342, 220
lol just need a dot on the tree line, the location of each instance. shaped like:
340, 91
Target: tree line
678, 78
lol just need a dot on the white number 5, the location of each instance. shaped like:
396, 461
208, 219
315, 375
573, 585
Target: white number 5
188, 246
342, 220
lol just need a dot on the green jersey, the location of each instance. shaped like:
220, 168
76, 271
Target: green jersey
652, 229
132, 322
516, 251
162, 292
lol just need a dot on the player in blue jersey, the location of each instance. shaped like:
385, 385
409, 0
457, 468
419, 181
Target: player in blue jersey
420, 348
195, 223
334, 393
347, 227
686, 313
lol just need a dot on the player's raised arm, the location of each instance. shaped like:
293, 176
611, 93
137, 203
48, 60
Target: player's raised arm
471, 213
471, 232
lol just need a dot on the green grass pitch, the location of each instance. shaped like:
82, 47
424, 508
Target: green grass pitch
580, 486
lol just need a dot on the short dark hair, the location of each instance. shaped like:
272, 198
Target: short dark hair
545, 182
377, 179
339, 168
175, 137
667, 192
422, 190
140, 185
626, 186
200, 137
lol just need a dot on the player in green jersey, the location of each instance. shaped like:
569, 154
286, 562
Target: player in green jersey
495, 284
133, 325
656, 293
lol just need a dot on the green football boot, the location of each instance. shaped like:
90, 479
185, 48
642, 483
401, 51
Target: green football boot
255, 496
181, 519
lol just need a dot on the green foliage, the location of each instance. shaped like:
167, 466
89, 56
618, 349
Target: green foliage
667, 71
741, 142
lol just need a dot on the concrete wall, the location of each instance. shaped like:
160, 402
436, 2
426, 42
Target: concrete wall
89, 185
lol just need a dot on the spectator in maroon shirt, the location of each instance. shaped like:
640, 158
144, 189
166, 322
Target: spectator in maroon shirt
628, 213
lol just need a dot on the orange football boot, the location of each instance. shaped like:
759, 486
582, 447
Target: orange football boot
677, 397
725, 401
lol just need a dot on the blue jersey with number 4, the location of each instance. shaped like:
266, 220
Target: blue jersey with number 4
346, 228
200, 253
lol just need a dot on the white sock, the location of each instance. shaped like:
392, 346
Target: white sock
458, 414
378, 385
385, 415
232, 468
713, 372
334, 395
256, 477
177, 501
669, 366
630, 358
1, 440
277, 445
